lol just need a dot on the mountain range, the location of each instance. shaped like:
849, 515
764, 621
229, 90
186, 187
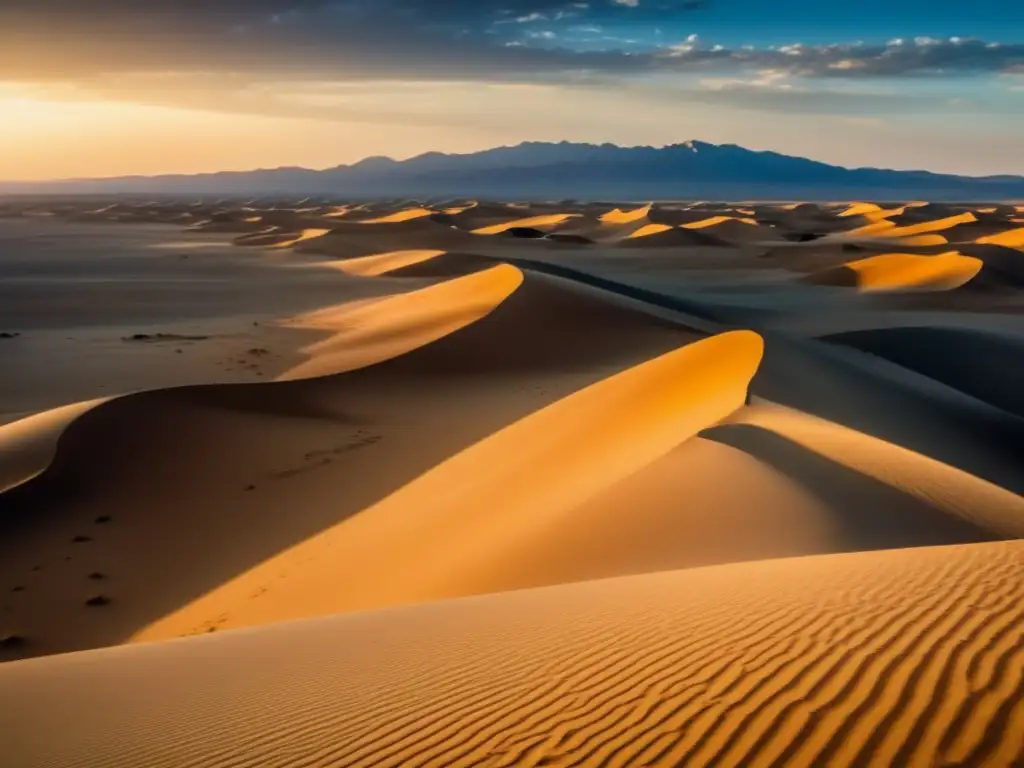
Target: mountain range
689, 170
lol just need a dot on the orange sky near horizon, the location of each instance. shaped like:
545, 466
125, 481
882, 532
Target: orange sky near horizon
46, 139
43, 136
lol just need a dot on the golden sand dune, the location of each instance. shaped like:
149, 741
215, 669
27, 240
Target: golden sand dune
545, 221
384, 263
342, 443
891, 227
381, 329
277, 237
655, 236
908, 657
735, 230
860, 209
27, 445
923, 240
645, 230
423, 264
714, 221
929, 226
1012, 238
474, 524
532, 496
398, 216
618, 216
960, 507
902, 272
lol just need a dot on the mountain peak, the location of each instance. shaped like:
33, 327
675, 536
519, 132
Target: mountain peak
684, 170
374, 161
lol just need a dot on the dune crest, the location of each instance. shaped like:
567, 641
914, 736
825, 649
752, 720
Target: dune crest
27, 445
860, 209
382, 263
946, 488
618, 216
714, 221
405, 215
448, 528
531, 222
385, 328
903, 271
647, 230
1013, 238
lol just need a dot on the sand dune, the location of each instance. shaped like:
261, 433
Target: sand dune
280, 238
511, 483
971, 509
439, 543
370, 333
973, 361
27, 446
907, 657
860, 209
645, 230
716, 220
928, 225
383, 263
902, 271
906, 226
618, 216
532, 222
1012, 238
653, 236
398, 216
533, 342
736, 230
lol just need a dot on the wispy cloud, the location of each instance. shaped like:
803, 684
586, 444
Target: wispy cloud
421, 40
221, 54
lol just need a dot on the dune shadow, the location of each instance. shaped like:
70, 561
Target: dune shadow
875, 396
868, 514
983, 364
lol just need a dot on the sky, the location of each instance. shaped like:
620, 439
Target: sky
121, 87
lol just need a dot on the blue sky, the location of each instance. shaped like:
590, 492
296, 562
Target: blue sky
917, 83
757, 22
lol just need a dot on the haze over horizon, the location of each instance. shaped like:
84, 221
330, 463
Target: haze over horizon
123, 88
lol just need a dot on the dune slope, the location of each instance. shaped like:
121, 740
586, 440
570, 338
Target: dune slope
227, 459
545, 483
909, 657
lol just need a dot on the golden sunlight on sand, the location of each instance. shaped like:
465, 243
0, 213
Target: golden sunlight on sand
474, 483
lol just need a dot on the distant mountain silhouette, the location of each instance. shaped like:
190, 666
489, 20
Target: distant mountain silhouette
693, 169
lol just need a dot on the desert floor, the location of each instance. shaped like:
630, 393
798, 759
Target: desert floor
511, 484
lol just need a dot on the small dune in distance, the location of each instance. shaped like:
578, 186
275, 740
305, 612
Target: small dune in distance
473, 482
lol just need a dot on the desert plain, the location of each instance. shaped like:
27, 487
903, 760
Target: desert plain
475, 483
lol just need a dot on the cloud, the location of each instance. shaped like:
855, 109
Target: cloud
918, 57
512, 41
41, 14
